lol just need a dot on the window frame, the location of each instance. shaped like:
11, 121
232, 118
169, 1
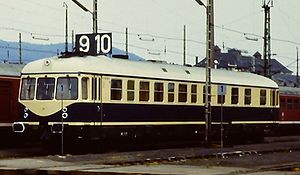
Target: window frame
182, 93
30, 88
158, 91
234, 95
116, 89
194, 89
263, 97
75, 92
144, 91
248, 96
39, 92
130, 90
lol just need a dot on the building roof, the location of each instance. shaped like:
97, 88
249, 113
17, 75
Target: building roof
7, 69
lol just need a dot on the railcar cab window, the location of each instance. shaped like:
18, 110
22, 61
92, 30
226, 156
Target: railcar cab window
27, 89
67, 88
234, 95
116, 89
45, 89
144, 91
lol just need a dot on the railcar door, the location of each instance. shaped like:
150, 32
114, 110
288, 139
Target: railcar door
97, 100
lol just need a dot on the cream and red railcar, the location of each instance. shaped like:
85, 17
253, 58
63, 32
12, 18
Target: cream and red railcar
289, 113
98, 97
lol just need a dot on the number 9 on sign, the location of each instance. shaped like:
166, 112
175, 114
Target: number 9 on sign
84, 43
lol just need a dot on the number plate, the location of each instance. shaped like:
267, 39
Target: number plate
94, 44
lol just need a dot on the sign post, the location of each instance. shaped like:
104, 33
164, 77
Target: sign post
222, 89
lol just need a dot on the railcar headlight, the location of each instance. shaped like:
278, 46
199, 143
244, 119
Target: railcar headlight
25, 115
64, 109
25, 109
64, 115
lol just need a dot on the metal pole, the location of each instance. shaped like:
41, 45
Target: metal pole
66, 35
73, 45
184, 45
209, 61
222, 127
297, 80
95, 14
62, 122
267, 38
126, 42
20, 49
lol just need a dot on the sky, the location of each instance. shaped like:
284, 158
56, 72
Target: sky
156, 26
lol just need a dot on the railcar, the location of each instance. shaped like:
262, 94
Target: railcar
9, 106
289, 114
100, 97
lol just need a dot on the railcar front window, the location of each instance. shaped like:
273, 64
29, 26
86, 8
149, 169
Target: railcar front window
27, 89
45, 89
67, 89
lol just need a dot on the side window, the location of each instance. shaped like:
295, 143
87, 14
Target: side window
277, 97
158, 92
144, 91
27, 89
182, 93
221, 99
130, 90
99, 89
94, 88
204, 97
272, 97
194, 93
116, 89
84, 88
263, 97
247, 96
171, 92
234, 95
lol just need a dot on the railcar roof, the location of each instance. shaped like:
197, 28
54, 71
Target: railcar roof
10, 69
146, 69
289, 90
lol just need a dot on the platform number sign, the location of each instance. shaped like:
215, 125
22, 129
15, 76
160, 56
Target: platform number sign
94, 44
222, 89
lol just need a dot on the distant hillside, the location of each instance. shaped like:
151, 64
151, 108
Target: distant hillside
9, 51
